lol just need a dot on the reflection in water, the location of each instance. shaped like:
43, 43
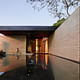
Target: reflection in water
46, 59
42, 58
1, 73
36, 58
11, 62
18, 53
5, 61
36, 67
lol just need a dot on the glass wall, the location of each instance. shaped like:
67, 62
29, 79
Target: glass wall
38, 45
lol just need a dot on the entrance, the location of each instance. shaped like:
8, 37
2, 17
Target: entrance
37, 45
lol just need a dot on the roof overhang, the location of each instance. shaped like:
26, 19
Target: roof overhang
27, 30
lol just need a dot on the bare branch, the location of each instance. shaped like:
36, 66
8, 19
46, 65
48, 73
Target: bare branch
54, 6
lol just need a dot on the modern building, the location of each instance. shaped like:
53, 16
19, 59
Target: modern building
26, 38
63, 43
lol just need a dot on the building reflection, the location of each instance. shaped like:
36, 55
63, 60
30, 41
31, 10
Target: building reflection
46, 59
39, 46
36, 58
42, 59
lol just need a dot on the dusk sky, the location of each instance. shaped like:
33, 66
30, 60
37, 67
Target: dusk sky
18, 12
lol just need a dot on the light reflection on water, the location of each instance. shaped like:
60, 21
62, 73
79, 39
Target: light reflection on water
36, 58
46, 59
42, 59
12, 61
1, 73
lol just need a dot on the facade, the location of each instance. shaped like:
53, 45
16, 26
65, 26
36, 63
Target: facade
26, 38
63, 43
22, 39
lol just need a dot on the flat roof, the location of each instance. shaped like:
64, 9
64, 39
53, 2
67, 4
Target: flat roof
27, 28
31, 31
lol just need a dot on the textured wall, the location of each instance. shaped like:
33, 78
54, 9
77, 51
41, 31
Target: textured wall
10, 43
65, 42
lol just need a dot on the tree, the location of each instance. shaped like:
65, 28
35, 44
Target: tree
59, 22
70, 3
57, 8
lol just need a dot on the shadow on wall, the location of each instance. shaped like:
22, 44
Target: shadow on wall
17, 37
5, 48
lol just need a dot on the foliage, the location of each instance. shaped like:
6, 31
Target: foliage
59, 22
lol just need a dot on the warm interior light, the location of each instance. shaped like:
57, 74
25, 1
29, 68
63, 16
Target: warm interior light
36, 58
46, 59
36, 45
45, 38
1, 34
46, 46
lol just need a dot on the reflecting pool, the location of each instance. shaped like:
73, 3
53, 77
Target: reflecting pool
26, 67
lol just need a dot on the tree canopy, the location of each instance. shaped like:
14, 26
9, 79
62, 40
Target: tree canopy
59, 22
57, 8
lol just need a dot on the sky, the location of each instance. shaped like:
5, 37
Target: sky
18, 12
1, 73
